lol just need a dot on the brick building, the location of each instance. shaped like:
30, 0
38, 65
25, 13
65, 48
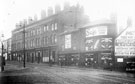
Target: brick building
90, 45
42, 36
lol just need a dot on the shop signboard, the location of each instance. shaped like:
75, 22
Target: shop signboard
96, 31
125, 43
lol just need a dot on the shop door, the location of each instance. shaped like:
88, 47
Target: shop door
38, 57
89, 60
53, 56
106, 61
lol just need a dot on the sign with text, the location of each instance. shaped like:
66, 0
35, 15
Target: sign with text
125, 43
96, 31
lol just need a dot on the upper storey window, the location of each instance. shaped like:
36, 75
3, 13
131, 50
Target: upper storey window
46, 28
52, 27
56, 26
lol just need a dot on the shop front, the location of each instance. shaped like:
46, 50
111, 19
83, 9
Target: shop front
45, 56
106, 60
38, 57
89, 59
62, 60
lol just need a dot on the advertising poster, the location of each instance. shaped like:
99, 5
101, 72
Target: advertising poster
96, 31
68, 41
125, 43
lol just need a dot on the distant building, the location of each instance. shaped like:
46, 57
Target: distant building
7, 49
42, 36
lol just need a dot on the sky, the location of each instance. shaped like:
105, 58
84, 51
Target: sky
13, 11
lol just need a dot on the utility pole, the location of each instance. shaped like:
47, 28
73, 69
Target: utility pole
2, 58
24, 45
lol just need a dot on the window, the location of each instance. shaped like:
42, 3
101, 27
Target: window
36, 41
37, 31
47, 40
33, 43
30, 43
44, 40
33, 32
56, 26
52, 27
52, 38
44, 28
39, 41
47, 27
25, 34
55, 38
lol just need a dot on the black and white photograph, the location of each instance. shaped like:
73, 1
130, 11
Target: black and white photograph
67, 41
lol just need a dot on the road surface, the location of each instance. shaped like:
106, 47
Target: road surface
43, 74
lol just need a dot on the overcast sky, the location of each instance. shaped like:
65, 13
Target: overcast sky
13, 11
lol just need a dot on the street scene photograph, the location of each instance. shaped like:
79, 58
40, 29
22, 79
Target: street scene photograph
67, 42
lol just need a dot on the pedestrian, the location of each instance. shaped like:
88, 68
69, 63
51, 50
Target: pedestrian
4, 62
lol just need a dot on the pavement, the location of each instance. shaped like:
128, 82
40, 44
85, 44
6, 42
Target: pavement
35, 73
16, 74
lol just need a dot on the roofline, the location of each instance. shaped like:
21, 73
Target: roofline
96, 23
67, 32
122, 32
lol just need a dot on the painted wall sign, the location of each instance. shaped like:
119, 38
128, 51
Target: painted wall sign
96, 31
125, 43
98, 44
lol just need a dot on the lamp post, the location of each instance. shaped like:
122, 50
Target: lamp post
2, 58
24, 45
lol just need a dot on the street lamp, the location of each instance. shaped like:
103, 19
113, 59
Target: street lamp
24, 45
2, 58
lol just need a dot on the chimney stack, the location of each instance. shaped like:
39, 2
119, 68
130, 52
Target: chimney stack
57, 8
43, 14
66, 5
50, 11
129, 22
30, 20
25, 22
35, 17
17, 25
